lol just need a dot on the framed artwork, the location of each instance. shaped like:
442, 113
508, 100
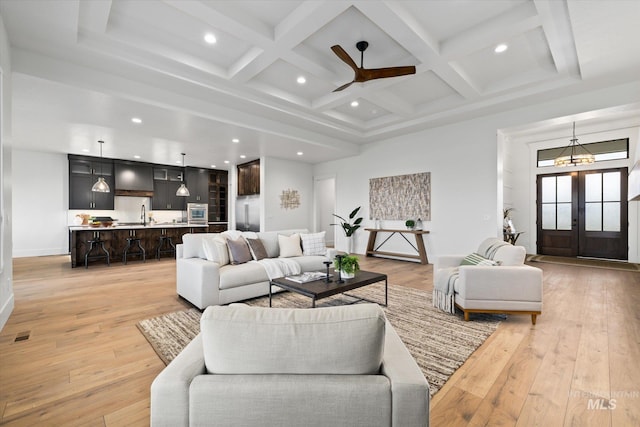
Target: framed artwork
400, 197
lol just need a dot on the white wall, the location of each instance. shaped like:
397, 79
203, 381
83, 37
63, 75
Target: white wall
325, 207
282, 175
40, 215
466, 174
6, 216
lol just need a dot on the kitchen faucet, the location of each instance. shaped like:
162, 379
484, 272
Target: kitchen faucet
143, 217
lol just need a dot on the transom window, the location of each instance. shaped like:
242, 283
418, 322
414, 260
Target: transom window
606, 150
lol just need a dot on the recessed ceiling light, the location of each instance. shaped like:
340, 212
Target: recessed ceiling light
210, 38
85, 150
301, 80
300, 153
136, 157
213, 166
136, 120
501, 48
242, 156
354, 104
226, 162
178, 162
235, 140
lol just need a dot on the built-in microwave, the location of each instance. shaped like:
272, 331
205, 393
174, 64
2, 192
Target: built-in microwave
197, 213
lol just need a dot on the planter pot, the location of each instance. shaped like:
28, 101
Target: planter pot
345, 275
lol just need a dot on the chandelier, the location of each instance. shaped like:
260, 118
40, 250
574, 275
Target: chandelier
577, 154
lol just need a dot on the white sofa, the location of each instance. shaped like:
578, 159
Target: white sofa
204, 282
510, 287
334, 366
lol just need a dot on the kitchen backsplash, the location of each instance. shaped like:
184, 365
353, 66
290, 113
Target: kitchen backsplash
128, 209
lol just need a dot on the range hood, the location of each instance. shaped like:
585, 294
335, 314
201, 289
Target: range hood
133, 179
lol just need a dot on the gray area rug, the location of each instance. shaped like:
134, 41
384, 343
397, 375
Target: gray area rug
439, 342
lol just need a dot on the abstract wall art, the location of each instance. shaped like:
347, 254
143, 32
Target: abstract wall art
400, 197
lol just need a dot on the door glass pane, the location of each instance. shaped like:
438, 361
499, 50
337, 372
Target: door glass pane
564, 188
611, 216
549, 191
564, 216
593, 217
549, 217
611, 186
593, 187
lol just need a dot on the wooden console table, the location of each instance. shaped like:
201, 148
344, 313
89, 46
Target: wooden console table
420, 249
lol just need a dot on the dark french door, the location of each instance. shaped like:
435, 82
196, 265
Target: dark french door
583, 214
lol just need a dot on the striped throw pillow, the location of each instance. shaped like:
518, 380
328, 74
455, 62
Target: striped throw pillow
475, 259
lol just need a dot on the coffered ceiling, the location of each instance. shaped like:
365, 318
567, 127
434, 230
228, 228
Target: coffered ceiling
83, 69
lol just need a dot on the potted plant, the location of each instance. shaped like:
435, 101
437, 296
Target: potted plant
348, 266
350, 226
410, 224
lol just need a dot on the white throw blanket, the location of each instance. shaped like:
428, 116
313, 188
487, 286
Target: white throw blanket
443, 292
279, 267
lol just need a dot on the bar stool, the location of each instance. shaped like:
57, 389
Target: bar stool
170, 249
131, 241
96, 242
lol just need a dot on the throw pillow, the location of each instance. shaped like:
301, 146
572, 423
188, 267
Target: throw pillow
215, 249
239, 252
313, 244
257, 249
475, 259
289, 245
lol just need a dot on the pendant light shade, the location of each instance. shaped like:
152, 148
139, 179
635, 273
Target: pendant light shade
101, 185
183, 191
576, 153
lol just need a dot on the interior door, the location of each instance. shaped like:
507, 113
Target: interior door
583, 214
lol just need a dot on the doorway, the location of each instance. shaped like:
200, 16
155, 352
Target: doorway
583, 214
325, 206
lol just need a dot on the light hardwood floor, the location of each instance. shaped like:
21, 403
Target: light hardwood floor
86, 364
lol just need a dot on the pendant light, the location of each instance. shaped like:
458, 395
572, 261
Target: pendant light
183, 191
101, 185
575, 157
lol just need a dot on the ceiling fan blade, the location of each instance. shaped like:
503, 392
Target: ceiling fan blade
342, 54
380, 73
344, 86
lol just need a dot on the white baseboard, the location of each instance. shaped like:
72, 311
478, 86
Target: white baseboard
23, 253
6, 311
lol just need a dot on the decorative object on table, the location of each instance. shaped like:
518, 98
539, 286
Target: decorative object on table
289, 199
346, 265
400, 197
418, 224
410, 224
349, 227
507, 223
327, 279
338, 263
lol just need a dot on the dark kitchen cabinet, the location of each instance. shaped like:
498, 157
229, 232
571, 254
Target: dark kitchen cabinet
198, 185
83, 173
133, 177
218, 192
249, 178
165, 184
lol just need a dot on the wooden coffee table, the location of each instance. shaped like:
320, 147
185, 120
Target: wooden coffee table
318, 289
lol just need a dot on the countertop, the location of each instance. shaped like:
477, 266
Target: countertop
136, 226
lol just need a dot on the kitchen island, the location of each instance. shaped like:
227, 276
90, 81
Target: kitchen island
115, 238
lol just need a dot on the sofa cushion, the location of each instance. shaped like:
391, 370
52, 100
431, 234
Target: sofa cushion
289, 245
510, 255
311, 262
233, 276
239, 252
192, 246
258, 251
257, 340
475, 259
215, 249
313, 244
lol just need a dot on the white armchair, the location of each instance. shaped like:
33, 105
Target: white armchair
510, 287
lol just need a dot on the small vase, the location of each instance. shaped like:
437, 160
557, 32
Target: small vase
346, 275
